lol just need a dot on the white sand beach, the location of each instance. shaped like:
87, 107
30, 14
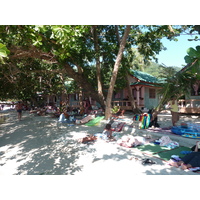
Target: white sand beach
39, 145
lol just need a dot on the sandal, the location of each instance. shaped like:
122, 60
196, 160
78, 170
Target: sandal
148, 161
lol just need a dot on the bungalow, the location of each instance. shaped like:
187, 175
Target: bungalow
144, 89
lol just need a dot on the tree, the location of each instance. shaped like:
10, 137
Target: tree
3, 52
74, 51
115, 71
178, 84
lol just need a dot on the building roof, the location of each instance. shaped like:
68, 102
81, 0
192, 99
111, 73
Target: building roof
146, 84
145, 77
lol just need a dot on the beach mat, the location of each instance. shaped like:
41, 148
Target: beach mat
152, 148
166, 155
94, 121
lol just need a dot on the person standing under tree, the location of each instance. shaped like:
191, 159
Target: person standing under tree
19, 108
174, 110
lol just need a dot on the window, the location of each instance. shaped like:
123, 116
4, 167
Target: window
118, 95
152, 93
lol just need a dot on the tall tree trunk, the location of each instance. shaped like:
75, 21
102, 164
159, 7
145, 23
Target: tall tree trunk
115, 71
130, 93
98, 64
127, 80
135, 109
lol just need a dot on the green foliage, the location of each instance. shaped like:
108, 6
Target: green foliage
178, 84
193, 54
188, 59
3, 52
43, 50
193, 60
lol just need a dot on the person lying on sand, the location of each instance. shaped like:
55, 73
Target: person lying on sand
133, 141
105, 135
188, 161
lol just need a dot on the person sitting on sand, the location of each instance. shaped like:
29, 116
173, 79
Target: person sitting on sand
119, 113
56, 113
42, 111
188, 161
108, 131
154, 118
64, 116
105, 135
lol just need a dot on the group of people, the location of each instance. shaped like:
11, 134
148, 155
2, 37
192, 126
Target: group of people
188, 161
56, 111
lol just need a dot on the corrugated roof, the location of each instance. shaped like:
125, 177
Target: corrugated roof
142, 76
146, 84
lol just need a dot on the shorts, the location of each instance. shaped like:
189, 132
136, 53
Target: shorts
192, 159
175, 116
20, 110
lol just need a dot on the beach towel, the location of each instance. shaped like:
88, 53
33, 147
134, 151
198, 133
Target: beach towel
94, 121
144, 119
166, 155
151, 148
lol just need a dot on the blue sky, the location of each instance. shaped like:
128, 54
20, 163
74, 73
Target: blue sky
176, 51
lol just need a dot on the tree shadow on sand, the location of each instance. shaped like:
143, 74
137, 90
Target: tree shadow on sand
41, 147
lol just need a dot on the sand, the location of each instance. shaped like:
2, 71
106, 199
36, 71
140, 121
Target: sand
39, 145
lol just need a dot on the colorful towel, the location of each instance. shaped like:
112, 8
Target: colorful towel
144, 119
94, 121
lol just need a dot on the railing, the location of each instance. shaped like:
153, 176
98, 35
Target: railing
125, 104
75, 104
189, 106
